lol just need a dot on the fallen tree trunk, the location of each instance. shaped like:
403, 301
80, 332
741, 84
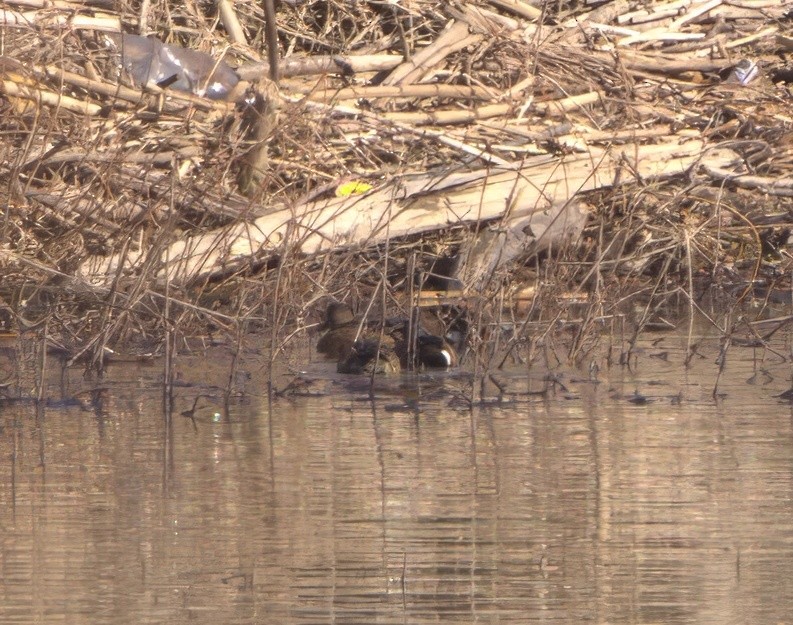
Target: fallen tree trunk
414, 204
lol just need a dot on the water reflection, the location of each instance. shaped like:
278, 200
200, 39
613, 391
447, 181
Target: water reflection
576, 506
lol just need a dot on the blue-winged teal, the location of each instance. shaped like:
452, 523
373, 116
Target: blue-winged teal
353, 344
341, 331
435, 352
428, 342
368, 352
371, 355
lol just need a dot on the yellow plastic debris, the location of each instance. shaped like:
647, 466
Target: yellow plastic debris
356, 187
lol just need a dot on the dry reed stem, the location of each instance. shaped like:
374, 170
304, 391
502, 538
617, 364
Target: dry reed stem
95, 167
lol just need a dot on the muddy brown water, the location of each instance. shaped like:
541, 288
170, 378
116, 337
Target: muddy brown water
584, 504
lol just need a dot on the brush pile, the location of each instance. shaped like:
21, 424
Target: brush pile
643, 148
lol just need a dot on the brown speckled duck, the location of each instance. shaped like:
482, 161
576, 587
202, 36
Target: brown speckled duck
341, 331
371, 355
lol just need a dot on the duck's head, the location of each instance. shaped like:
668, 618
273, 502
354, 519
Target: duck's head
337, 315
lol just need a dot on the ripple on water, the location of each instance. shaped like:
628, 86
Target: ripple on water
571, 505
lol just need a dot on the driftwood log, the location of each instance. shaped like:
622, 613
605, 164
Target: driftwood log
534, 202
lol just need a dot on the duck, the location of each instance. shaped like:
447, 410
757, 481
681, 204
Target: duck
340, 331
359, 348
433, 345
354, 345
371, 355
436, 352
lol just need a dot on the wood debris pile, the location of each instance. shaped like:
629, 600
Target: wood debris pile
472, 126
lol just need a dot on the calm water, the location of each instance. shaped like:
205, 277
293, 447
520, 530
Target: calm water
582, 505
